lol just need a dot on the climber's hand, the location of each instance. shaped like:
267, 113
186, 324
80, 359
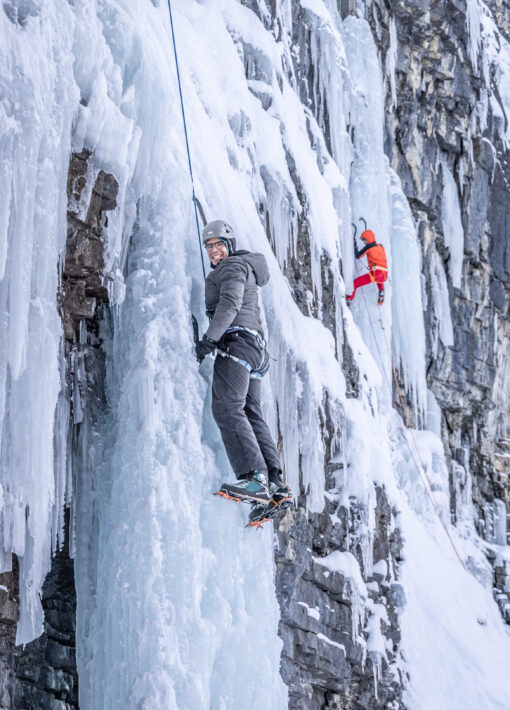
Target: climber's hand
204, 347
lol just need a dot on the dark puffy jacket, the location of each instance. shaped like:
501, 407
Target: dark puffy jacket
231, 293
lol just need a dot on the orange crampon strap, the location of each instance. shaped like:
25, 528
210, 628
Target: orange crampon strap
258, 524
226, 495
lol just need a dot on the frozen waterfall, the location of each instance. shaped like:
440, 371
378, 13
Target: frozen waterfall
176, 599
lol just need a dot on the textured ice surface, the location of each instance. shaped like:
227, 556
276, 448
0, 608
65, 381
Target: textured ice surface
176, 603
452, 225
488, 45
474, 21
37, 101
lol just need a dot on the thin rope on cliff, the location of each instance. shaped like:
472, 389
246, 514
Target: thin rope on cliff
420, 467
186, 137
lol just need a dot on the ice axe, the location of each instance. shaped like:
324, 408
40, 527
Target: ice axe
354, 236
201, 210
196, 335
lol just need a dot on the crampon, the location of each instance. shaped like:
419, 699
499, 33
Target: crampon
223, 494
261, 514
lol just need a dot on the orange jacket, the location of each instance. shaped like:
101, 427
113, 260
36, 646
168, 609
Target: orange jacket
376, 256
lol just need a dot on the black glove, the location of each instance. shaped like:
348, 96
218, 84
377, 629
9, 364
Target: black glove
204, 347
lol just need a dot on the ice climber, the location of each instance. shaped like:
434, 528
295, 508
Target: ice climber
235, 334
377, 265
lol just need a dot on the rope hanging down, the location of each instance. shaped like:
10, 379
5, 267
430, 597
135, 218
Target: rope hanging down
186, 136
420, 467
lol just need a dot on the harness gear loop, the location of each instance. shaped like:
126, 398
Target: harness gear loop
186, 136
256, 373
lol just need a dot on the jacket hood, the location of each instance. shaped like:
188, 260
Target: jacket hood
369, 236
258, 263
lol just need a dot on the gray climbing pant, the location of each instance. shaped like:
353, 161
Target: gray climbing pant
236, 392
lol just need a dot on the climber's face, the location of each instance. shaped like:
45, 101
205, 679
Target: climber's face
216, 250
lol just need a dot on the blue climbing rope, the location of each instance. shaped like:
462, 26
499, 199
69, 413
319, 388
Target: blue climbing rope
186, 136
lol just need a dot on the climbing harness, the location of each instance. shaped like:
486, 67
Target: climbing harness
420, 467
256, 373
261, 341
186, 135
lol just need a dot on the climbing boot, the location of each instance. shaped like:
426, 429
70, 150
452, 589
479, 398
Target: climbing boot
281, 495
250, 488
380, 300
261, 513
276, 482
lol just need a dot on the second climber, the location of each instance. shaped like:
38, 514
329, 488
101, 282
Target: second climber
377, 265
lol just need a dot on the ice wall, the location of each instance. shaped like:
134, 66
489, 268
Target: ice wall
37, 103
376, 194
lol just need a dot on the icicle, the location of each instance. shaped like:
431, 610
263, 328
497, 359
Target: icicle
452, 225
391, 61
474, 17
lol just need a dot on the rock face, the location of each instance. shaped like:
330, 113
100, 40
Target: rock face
435, 130
324, 661
42, 675
90, 196
9, 613
46, 675
438, 127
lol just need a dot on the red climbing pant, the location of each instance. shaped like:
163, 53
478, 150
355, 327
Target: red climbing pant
378, 276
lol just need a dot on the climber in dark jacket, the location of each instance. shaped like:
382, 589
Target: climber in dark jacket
235, 333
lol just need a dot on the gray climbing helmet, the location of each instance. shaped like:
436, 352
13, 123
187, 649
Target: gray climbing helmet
219, 230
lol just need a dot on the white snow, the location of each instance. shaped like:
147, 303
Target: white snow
442, 616
376, 641
381, 568
313, 612
330, 642
346, 564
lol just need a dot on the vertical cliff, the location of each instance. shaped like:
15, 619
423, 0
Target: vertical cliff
445, 137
